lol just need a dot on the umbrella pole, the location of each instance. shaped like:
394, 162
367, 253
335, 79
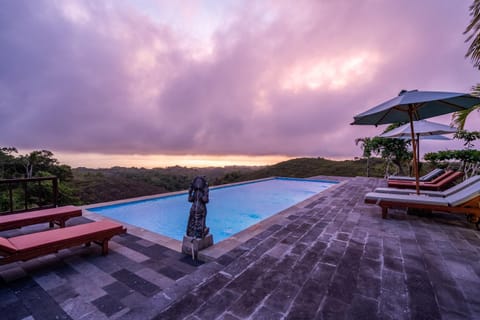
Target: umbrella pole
414, 146
418, 151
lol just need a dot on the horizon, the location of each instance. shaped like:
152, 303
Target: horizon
204, 82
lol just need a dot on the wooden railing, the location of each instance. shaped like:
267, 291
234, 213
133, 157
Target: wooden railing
33, 191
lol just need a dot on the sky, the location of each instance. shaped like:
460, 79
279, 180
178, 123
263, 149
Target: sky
155, 83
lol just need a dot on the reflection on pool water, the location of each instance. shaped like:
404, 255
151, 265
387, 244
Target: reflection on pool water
231, 208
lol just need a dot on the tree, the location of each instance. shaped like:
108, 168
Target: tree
393, 151
40, 160
7, 162
473, 31
366, 145
468, 137
459, 118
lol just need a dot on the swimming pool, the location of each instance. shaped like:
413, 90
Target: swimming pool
231, 208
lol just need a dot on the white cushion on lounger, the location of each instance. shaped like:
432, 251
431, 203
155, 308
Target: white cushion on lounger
404, 198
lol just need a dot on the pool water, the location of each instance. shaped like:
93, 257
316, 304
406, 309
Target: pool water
231, 208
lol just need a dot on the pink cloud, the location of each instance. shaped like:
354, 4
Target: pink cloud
277, 79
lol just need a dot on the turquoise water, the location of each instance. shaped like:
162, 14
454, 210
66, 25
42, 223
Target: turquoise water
231, 208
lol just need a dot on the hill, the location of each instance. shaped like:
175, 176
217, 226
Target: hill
101, 185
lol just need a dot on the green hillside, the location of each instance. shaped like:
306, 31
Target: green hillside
100, 185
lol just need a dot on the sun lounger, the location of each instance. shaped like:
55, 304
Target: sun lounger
465, 201
54, 216
439, 183
472, 180
34, 245
428, 177
434, 180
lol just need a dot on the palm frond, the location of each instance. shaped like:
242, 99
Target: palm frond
473, 31
460, 117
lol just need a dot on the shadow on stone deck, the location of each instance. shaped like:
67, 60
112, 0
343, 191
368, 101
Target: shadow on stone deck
334, 259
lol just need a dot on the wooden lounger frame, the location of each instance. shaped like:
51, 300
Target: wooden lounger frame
470, 208
441, 184
53, 216
34, 245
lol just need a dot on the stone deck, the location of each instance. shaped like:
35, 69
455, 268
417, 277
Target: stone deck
333, 259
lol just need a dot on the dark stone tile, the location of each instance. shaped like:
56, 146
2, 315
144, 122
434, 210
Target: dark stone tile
369, 286
237, 252
181, 308
333, 309
248, 302
210, 287
170, 272
217, 304
65, 271
393, 281
323, 274
39, 303
307, 302
363, 308
136, 283
239, 266
452, 299
372, 252
342, 288
394, 305
282, 296
187, 263
250, 276
62, 293
225, 259
13, 311
118, 290
265, 313
108, 305
423, 306
394, 264
252, 243
299, 248
156, 251
343, 236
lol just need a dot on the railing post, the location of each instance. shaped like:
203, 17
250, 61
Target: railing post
26, 194
23, 184
10, 193
55, 191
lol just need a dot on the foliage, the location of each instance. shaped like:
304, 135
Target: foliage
391, 150
469, 160
100, 185
473, 31
9, 166
459, 118
468, 137
39, 163
309, 167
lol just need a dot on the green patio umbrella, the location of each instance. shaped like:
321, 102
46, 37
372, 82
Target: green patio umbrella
410, 106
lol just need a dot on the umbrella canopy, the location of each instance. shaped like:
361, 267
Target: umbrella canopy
421, 128
410, 106
419, 104
436, 137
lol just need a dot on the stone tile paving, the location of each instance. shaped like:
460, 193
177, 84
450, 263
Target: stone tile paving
334, 259
80, 283
337, 259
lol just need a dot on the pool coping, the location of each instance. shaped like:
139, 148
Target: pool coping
224, 246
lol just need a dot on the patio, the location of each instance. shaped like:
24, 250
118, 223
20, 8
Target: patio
332, 259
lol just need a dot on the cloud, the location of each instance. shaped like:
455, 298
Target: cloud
273, 78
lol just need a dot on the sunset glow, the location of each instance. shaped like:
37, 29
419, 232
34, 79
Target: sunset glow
96, 160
